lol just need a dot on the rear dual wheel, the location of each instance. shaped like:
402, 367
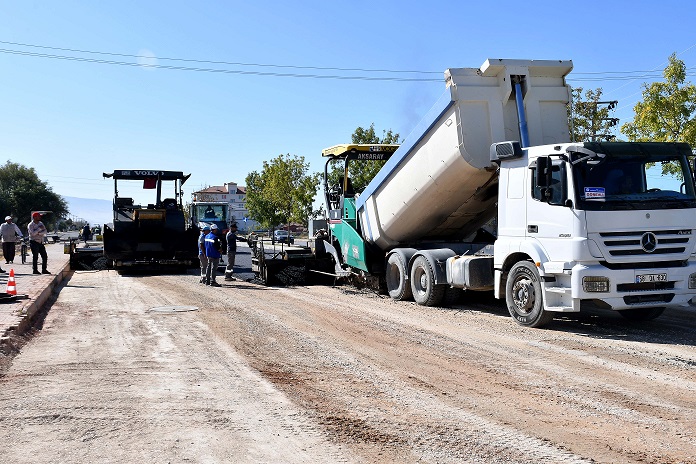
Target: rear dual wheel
425, 291
422, 287
398, 285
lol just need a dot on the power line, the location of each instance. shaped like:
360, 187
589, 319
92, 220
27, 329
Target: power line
213, 70
70, 177
229, 63
627, 78
576, 76
622, 72
656, 68
224, 62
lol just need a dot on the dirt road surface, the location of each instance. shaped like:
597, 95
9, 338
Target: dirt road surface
323, 375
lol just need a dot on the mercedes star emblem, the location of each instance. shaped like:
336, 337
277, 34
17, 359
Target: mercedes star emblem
649, 242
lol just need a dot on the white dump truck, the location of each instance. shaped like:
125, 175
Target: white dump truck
577, 223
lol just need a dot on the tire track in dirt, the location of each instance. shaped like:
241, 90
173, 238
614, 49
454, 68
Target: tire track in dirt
127, 385
505, 371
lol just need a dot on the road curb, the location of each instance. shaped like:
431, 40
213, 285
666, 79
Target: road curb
27, 311
29, 307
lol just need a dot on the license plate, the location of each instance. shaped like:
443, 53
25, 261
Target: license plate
642, 278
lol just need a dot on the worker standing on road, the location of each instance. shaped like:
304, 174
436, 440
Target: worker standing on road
9, 233
212, 252
231, 250
86, 233
205, 230
37, 234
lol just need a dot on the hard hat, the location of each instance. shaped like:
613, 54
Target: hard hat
35, 214
7, 218
203, 226
213, 227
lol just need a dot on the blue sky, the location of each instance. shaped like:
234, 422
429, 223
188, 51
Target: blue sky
73, 120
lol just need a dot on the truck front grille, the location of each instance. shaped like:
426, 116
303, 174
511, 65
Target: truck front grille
642, 243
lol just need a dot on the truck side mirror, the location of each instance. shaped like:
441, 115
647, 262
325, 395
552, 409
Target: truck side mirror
543, 171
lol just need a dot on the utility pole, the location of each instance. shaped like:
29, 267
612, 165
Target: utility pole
603, 123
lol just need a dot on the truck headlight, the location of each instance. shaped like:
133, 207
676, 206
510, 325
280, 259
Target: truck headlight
692, 280
595, 284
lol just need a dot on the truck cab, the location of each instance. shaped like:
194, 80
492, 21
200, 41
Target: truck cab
605, 224
203, 213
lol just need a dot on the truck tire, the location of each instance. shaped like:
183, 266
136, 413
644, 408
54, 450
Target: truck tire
642, 314
523, 296
425, 291
398, 286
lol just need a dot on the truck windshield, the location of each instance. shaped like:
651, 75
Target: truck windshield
210, 212
640, 181
206, 213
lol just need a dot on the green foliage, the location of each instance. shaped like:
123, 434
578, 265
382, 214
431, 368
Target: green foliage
590, 118
666, 113
362, 172
65, 225
282, 192
21, 192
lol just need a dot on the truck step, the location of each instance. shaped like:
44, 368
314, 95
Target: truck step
560, 309
563, 290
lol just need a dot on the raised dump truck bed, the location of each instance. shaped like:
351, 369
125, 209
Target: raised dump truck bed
440, 183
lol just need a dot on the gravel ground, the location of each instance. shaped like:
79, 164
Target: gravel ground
333, 374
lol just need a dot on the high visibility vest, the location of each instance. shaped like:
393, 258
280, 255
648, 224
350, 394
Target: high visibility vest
212, 246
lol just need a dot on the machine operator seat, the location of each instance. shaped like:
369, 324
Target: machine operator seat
169, 203
349, 191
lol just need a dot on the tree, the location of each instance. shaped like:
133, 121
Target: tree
666, 113
362, 172
282, 192
21, 192
589, 116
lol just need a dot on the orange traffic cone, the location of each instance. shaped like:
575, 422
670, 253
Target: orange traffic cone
11, 285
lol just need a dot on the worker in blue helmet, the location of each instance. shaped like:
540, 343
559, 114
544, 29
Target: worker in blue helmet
205, 230
213, 248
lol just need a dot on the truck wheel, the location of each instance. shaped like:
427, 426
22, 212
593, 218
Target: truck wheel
398, 287
523, 296
642, 314
425, 292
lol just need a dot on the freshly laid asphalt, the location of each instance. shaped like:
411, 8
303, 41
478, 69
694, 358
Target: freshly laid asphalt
32, 290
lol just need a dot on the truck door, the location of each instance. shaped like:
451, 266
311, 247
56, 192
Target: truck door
549, 220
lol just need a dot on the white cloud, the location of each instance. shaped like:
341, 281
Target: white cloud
147, 59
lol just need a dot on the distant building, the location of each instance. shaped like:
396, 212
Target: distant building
235, 196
